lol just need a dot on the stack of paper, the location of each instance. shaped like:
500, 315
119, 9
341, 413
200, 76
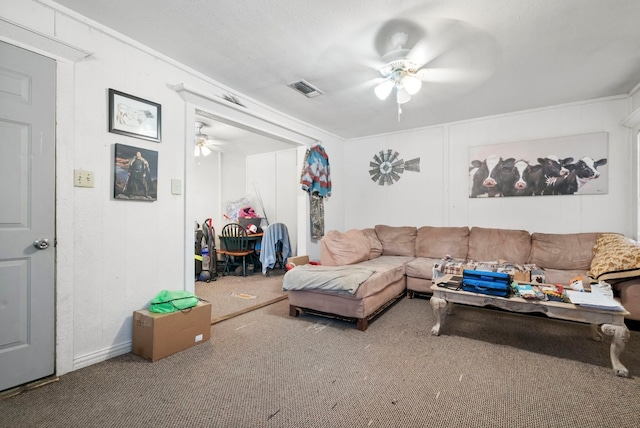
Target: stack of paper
594, 300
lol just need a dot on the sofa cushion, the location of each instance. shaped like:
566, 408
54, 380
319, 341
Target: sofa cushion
615, 257
397, 240
421, 267
486, 244
437, 242
564, 276
374, 242
570, 251
339, 249
389, 269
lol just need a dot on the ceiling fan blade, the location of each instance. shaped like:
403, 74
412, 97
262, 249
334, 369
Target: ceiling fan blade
353, 62
212, 147
448, 75
216, 142
384, 36
441, 36
471, 54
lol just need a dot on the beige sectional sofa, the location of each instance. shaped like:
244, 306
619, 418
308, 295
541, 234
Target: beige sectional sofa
404, 258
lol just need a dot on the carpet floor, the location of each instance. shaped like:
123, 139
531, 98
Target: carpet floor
267, 369
232, 295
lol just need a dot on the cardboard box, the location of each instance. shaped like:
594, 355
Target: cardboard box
156, 336
298, 260
517, 275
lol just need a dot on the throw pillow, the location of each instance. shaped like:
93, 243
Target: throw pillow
615, 257
397, 240
565, 251
345, 248
376, 245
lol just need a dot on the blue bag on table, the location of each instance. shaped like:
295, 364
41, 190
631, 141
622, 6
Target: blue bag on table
491, 283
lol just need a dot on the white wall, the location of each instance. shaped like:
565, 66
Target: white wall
206, 187
438, 195
113, 256
276, 177
234, 173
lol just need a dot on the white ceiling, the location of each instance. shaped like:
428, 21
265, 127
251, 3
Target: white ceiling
521, 54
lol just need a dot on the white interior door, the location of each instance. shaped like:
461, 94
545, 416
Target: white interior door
27, 192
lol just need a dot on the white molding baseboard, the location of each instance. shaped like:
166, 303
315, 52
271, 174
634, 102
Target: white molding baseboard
102, 355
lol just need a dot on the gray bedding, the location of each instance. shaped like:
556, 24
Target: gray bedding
326, 278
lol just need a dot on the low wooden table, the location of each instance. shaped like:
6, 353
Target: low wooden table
610, 322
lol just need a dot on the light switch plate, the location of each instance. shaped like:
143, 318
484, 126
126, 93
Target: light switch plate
82, 178
176, 186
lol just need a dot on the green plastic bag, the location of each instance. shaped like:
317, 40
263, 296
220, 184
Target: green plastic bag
168, 301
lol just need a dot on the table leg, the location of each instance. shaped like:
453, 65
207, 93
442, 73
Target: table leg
440, 307
595, 334
620, 335
449, 308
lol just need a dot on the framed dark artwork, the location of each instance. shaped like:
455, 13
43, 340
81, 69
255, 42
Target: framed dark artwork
572, 165
135, 173
134, 117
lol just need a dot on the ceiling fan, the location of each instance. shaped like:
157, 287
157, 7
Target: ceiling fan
204, 144
399, 72
437, 51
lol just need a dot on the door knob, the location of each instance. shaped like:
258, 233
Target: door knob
41, 244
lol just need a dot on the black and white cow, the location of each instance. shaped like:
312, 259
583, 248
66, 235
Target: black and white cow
515, 178
580, 173
486, 175
551, 169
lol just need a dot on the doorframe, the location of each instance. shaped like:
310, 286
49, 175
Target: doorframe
66, 56
632, 121
232, 114
64, 275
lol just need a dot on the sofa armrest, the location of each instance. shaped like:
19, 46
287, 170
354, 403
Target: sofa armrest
629, 291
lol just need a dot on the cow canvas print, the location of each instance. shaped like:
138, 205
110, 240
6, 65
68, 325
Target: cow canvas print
573, 165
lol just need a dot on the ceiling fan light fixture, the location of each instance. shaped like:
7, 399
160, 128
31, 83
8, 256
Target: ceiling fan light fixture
402, 96
201, 141
384, 89
412, 84
205, 150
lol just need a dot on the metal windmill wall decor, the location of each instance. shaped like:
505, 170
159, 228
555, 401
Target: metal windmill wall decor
386, 168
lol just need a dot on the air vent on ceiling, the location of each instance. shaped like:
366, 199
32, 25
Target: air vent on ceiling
305, 88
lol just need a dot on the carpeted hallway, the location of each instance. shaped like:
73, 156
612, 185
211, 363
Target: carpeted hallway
266, 369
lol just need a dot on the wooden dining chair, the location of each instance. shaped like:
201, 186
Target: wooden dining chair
236, 244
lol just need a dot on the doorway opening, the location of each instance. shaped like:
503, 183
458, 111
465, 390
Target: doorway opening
260, 122
244, 166
237, 168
